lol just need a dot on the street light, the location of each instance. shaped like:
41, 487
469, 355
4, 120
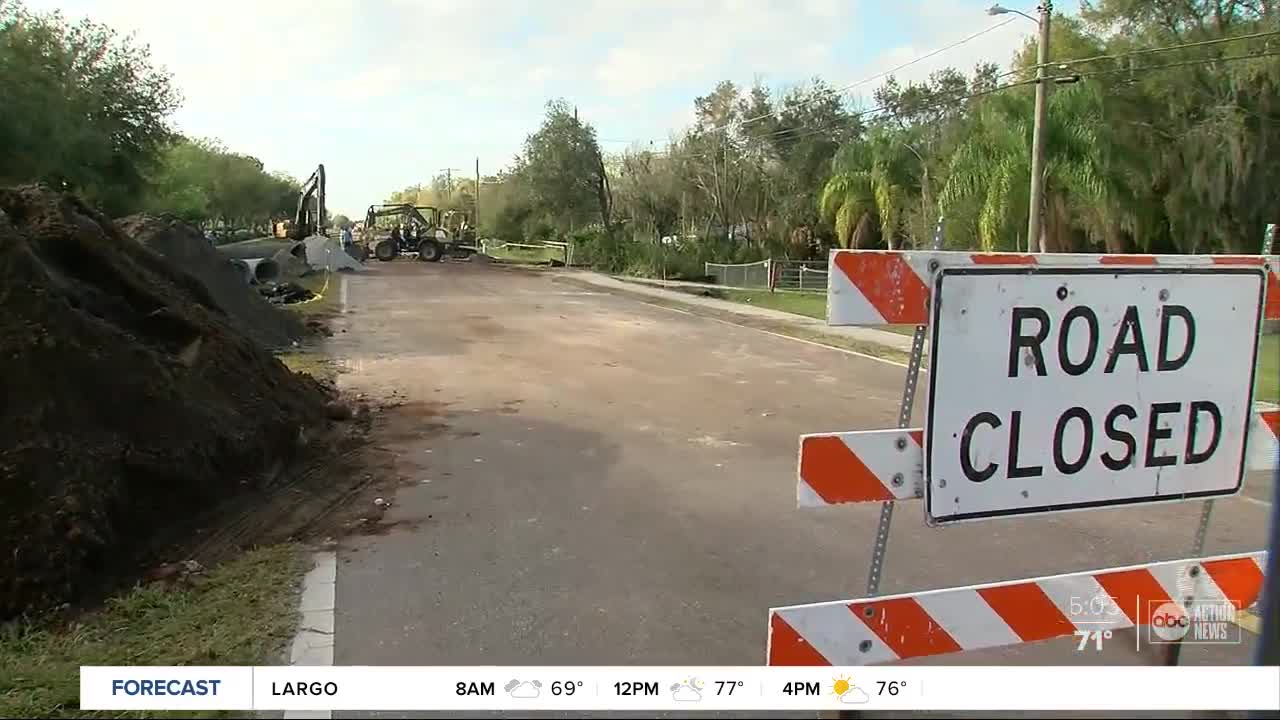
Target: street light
1034, 237
1002, 10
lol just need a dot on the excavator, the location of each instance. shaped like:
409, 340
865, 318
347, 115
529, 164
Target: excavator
310, 216
413, 230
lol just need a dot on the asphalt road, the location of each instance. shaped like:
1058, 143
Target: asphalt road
591, 479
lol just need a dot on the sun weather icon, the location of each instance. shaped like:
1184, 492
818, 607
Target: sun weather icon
850, 694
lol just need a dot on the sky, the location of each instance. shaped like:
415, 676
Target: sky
388, 93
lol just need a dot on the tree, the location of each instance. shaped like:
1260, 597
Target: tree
648, 192
869, 190
103, 108
203, 182
564, 168
802, 135
994, 160
340, 221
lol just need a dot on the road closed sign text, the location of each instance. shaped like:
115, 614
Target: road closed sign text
1059, 389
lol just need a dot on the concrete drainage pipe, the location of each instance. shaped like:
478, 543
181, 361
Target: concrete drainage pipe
243, 268
261, 270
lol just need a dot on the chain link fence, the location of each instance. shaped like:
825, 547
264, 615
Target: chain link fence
788, 275
742, 275
800, 275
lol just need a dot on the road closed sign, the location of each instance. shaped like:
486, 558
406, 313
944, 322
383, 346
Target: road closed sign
1070, 388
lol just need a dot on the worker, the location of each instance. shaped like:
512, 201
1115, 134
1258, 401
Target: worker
347, 241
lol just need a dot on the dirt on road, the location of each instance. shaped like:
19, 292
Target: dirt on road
128, 399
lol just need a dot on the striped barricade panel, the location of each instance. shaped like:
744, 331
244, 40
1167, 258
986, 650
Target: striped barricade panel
937, 622
891, 287
879, 465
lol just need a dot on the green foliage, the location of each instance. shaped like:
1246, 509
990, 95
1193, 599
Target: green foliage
82, 109
340, 221
596, 248
444, 191
564, 171
202, 182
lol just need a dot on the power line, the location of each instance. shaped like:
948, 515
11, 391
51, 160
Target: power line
942, 101
1163, 48
846, 88
932, 104
1060, 64
1187, 63
1133, 53
1071, 77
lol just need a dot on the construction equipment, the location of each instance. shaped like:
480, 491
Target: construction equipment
310, 216
410, 230
459, 225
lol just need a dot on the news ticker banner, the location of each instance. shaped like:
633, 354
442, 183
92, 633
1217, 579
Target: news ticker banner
680, 688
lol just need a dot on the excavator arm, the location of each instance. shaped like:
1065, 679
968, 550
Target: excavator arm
310, 216
411, 213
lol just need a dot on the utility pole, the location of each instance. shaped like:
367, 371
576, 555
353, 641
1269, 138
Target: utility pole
448, 177
1035, 238
476, 209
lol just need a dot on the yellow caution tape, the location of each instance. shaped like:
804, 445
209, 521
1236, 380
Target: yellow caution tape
323, 288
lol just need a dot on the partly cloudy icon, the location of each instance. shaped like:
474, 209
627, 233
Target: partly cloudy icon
526, 690
854, 696
687, 691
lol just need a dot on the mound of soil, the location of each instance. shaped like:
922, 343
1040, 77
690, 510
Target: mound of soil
128, 400
187, 249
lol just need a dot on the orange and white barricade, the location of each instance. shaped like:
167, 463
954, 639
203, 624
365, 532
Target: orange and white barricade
1020, 345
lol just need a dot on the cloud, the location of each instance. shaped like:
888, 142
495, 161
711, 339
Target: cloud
941, 25
709, 41
684, 693
854, 696
525, 691
384, 92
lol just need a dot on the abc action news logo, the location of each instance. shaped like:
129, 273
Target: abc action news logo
1209, 623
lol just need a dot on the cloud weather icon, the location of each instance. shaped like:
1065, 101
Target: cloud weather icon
854, 696
526, 690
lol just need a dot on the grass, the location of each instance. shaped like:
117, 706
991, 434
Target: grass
242, 614
813, 305
1267, 379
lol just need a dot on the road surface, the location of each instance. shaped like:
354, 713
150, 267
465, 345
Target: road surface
590, 479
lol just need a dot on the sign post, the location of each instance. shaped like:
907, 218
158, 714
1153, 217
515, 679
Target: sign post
881, 544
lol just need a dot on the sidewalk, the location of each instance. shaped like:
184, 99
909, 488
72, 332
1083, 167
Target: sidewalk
653, 288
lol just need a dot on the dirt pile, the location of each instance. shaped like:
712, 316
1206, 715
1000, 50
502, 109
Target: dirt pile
127, 400
187, 249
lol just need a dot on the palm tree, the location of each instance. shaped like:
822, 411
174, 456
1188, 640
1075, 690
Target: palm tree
868, 189
993, 164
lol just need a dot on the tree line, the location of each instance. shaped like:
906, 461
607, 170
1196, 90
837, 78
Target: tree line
86, 110
1162, 136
